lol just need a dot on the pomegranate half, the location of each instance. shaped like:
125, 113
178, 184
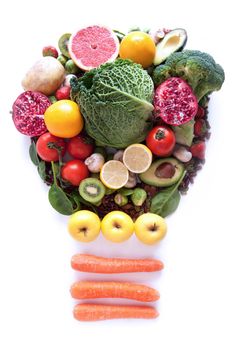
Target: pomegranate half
175, 101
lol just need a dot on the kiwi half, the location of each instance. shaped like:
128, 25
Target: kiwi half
92, 190
63, 44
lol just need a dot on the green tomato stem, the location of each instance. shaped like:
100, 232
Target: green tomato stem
54, 173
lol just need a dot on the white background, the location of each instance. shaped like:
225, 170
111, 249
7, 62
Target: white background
35, 248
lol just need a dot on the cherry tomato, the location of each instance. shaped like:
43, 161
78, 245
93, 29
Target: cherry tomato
74, 171
161, 141
46, 153
80, 147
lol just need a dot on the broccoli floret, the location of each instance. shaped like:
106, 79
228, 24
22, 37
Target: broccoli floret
199, 69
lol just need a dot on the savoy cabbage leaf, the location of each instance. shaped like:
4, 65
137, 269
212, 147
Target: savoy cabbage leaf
116, 102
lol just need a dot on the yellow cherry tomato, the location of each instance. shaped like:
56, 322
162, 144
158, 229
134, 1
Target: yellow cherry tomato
63, 119
139, 47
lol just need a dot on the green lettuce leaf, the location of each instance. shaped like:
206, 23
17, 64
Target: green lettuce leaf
166, 201
184, 133
116, 102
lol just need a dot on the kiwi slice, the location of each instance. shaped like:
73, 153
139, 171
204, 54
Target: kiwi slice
63, 44
92, 190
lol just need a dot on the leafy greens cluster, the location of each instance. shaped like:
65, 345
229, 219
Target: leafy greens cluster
116, 102
198, 68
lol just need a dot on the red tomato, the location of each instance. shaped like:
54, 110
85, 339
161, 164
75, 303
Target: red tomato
161, 141
80, 147
46, 153
74, 171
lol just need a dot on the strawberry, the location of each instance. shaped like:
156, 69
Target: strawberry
198, 150
200, 127
63, 93
200, 112
50, 51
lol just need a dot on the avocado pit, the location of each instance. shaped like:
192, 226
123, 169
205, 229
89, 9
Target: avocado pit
165, 170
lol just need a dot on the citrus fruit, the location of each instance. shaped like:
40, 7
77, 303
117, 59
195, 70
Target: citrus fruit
137, 158
114, 174
63, 119
117, 226
84, 226
139, 47
92, 46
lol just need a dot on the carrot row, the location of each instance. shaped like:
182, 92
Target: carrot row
96, 264
111, 289
125, 290
98, 312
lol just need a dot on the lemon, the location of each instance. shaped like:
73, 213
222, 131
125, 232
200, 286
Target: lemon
137, 158
114, 174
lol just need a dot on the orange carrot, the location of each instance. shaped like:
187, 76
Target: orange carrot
127, 290
97, 264
99, 312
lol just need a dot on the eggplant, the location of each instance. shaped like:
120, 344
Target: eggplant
173, 41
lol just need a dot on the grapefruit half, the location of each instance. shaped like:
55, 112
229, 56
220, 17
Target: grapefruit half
92, 46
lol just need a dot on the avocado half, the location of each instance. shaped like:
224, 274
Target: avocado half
153, 176
173, 41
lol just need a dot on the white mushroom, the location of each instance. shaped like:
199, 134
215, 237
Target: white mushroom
159, 35
132, 181
182, 154
119, 155
95, 162
67, 79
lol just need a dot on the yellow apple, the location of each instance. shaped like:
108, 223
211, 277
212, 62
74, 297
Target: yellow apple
150, 228
117, 226
84, 226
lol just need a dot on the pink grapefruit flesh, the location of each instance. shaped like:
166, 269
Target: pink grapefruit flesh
92, 46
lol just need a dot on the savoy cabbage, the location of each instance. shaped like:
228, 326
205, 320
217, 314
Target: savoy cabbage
116, 102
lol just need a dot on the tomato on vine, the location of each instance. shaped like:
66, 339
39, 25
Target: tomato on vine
80, 147
74, 171
161, 141
47, 147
